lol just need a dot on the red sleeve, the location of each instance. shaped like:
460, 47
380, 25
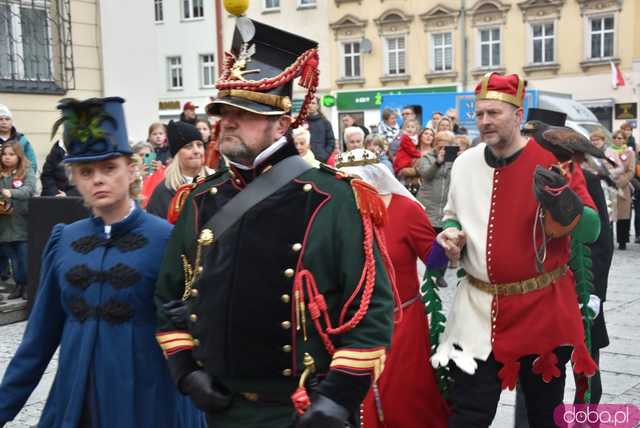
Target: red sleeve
579, 185
401, 160
421, 233
405, 154
409, 147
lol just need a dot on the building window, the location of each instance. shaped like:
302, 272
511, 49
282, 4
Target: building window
543, 37
351, 59
174, 64
192, 9
306, 3
35, 47
601, 34
442, 51
271, 4
490, 47
395, 55
25, 43
158, 8
207, 71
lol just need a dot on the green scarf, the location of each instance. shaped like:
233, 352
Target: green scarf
619, 149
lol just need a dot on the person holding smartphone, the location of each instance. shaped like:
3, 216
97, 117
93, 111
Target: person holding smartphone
147, 156
434, 169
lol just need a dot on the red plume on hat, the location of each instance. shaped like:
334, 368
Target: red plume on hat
494, 86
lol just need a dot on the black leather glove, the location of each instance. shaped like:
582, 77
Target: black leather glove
324, 413
178, 312
208, 395
562, 203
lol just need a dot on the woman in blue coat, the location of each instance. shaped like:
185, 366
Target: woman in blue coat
95, 299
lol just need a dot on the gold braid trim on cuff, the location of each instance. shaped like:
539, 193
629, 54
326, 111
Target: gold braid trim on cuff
174, 341
360, 360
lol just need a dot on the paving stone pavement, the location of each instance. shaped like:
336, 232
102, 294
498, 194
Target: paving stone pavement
620, 362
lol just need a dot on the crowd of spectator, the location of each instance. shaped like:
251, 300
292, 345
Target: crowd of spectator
621, 181
173, 154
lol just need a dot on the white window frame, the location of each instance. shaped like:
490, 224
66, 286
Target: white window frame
532, 40
491, 42
266, 7
190, 10
207, 67
443, 50
310, 5
170, 68
17, 48
397, 51
158, 9
343, 58
589, 35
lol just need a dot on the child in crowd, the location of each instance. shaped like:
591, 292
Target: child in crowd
17, 185
408, 151
407, 154
378, 145
158, 138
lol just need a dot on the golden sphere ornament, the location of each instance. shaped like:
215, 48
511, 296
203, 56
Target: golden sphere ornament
236, 7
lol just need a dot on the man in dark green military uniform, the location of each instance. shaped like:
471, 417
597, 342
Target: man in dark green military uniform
293, 275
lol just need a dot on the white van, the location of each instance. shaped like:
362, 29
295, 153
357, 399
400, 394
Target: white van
579, 118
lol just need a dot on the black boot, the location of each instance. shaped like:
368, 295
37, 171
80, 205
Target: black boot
622, 246
17, 292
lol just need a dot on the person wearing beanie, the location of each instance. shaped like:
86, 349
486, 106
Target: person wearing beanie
9, 133
187, 150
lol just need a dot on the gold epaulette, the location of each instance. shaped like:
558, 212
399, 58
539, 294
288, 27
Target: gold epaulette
177, 202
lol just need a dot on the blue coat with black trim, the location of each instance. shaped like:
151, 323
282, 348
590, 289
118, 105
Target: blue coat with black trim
96, 303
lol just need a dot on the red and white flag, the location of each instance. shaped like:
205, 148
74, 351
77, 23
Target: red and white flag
616, 76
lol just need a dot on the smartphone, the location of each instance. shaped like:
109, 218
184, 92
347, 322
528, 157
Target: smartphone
451, 153
149, 158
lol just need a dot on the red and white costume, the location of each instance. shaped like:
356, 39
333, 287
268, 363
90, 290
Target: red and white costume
496, 209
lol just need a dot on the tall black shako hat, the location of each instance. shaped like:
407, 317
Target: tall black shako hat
94, 129
259, 71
